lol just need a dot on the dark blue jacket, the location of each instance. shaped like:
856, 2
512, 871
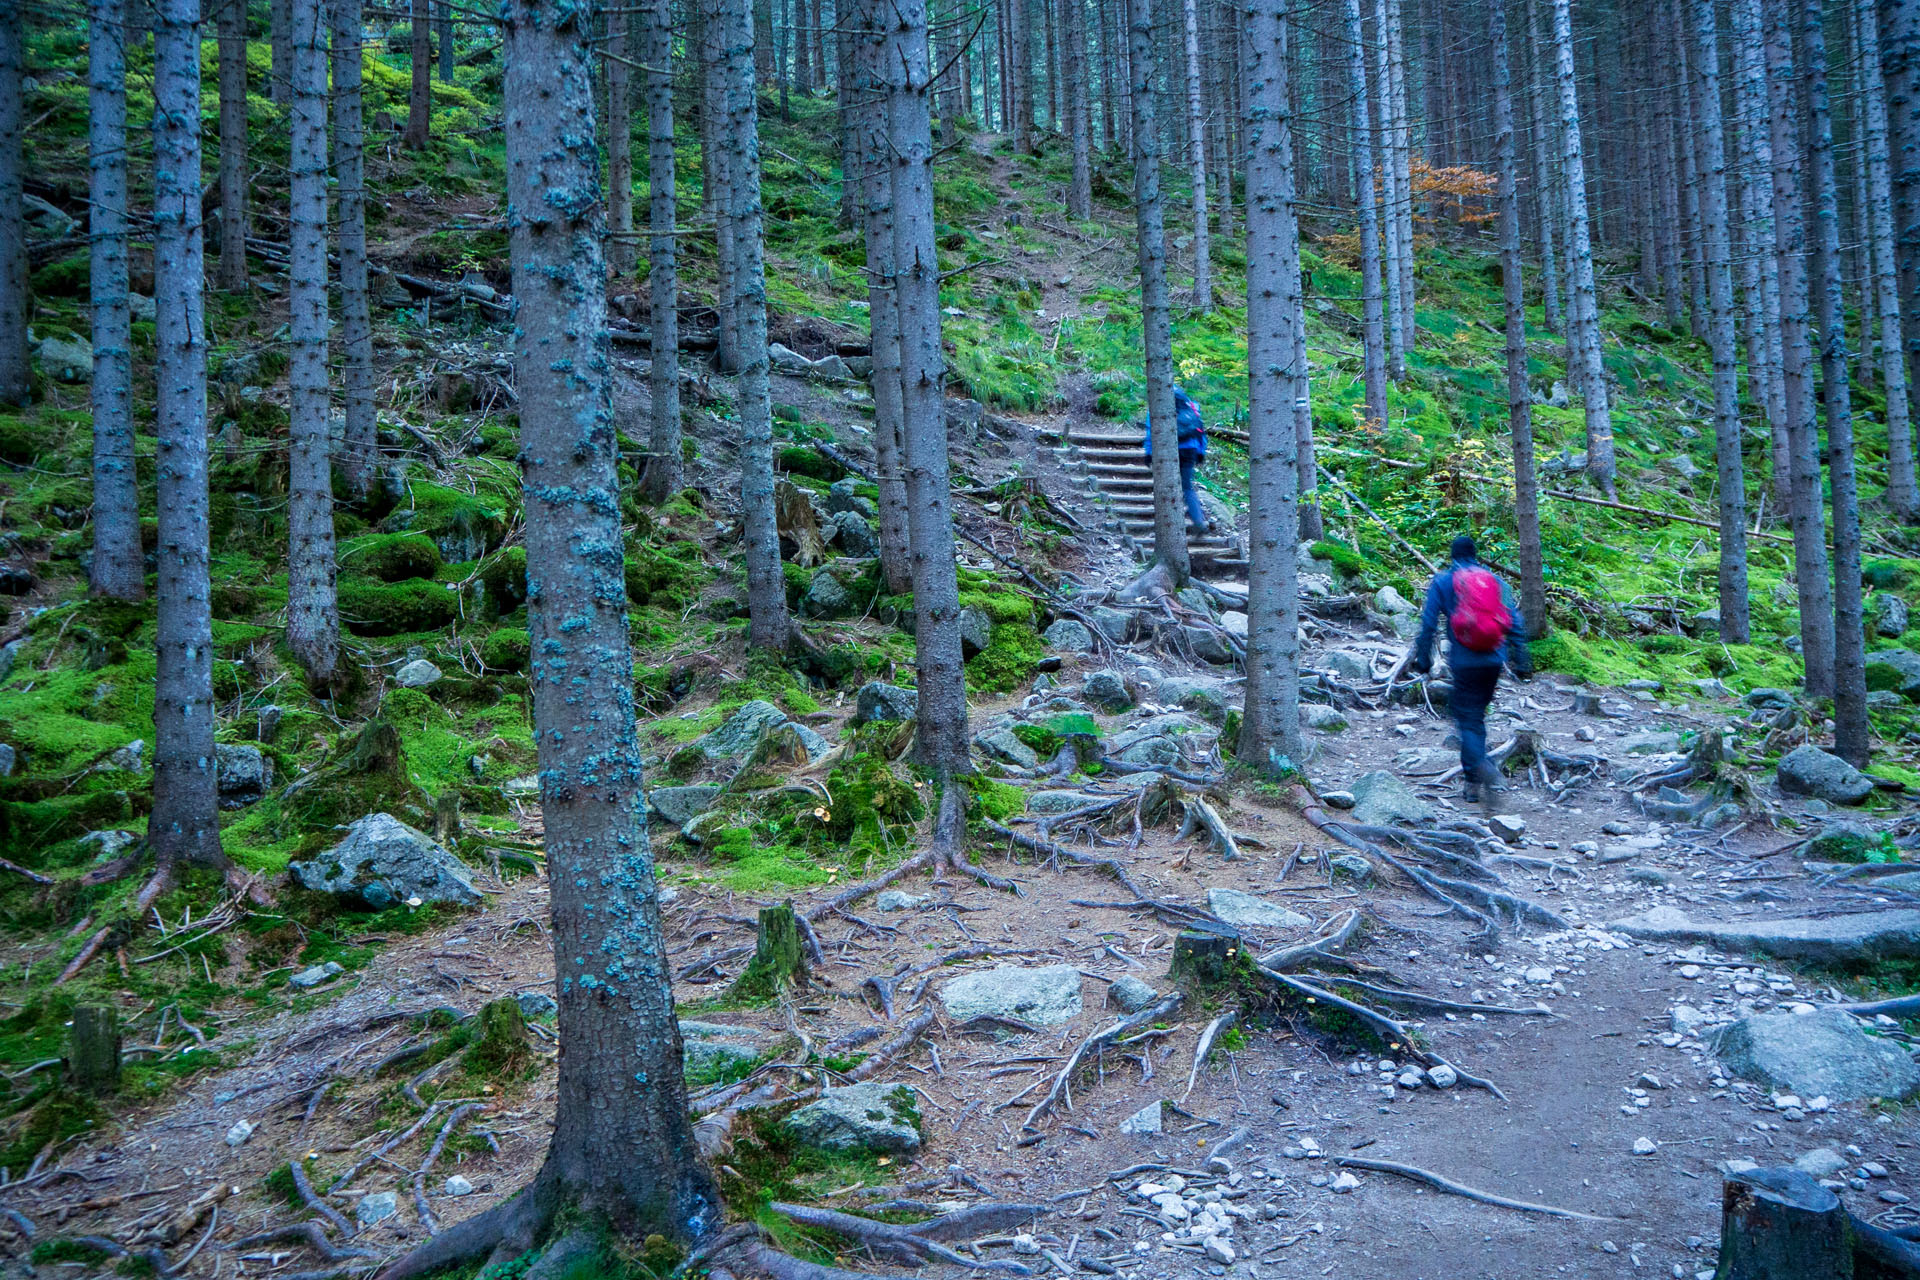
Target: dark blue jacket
1440, 600
1186, 417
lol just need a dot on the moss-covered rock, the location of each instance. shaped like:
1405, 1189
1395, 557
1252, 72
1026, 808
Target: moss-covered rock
507, 649
667, 576
464, 526
504, 575
370, 608
392, 557
1008, 661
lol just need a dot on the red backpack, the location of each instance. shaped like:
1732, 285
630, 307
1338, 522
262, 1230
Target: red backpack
1480, 618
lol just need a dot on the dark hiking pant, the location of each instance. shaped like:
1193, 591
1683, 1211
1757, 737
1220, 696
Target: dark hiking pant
1472, 691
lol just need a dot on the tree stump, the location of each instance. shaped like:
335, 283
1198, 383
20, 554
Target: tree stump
1779, 1224
779, 960
1205, 958
93, 1049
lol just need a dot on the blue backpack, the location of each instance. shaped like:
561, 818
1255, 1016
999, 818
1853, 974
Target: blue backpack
1192, 432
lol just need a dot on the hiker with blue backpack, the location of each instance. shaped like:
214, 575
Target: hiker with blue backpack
1484, 633
1193, 451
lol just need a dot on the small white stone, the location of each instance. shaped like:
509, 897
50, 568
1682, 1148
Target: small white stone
1218, 1250
241, 1131
1645, 1146
1344, 1183
458, 1186
1025, 1244
1442, 1076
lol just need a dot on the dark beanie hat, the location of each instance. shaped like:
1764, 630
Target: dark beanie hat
1463, 548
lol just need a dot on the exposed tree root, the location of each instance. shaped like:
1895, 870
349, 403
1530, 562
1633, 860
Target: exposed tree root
916, 1243
1339, 932
567, 1256
1382, 1025
1204, 1045
1436, 1004
1062, 1090
754, 1258
307, 1233
1897, 1007
513, 1223
1174, 913
1451, 1187
941, 855
420, 1205
1054, 852
883, 987
1429, 844
1201, 816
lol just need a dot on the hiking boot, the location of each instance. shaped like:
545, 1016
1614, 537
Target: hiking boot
1470, 793
1491, 789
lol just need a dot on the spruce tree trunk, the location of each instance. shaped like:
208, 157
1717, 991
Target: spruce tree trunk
716, 174
1526, 483
1020, 50
1373, 305
1585, 302
1667, 238
1729, 471
1796, 358
622, 1148
313, 613
1389, 202
16, 377
1545, 201
119, 565
1197, 160
1691, 232
768, 624
875, 187
664, 464
1156, 322
1399, 158
1852, 738
1903, 493
620, 247
420, 95
359, 440
184, 828
1900, 69
940, 738
1079, 122
1766, 384
234, 221
1270, 724
280, 47
1312, 524
846, 51
443, 33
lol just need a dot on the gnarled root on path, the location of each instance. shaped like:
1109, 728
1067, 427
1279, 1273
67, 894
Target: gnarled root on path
915, 1243
507, 1230
942, 854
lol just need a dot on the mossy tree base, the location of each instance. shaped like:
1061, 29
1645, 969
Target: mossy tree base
1207, 959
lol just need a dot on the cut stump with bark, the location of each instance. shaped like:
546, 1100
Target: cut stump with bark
1205, 958
93, 1049
1780, 1224
779, 956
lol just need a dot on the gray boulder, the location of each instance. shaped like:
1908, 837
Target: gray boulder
827, 597
1767, 699
1146, 1121
1318, 715
1209, 645
852, 534
1889, 615
535, 1005
1153, 752
681, 805
1114, 624
1842, 842
710, 1048
242, 775
384, 862
786, 360
66, 359
841, 496
1001, 744
895, 900
1651, 744
131, 758
1808, 771
376, 1206
1895, 669
976, 630
1205, 698
887, 703
1391, 602
1130, 995
417, 674
1380, 799
742, 731
1069, 636
1245, 911
1350, 667
307, 979
1840, 941
1045, 996
863, 1117
1825, 1052
1107, 691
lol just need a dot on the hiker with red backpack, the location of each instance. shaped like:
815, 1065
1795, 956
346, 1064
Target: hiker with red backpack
1485, 632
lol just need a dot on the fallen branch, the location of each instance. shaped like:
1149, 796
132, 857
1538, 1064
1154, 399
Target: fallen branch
1451, 1187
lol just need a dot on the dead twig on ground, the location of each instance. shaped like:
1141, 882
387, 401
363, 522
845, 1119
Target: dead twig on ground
1453, 1188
